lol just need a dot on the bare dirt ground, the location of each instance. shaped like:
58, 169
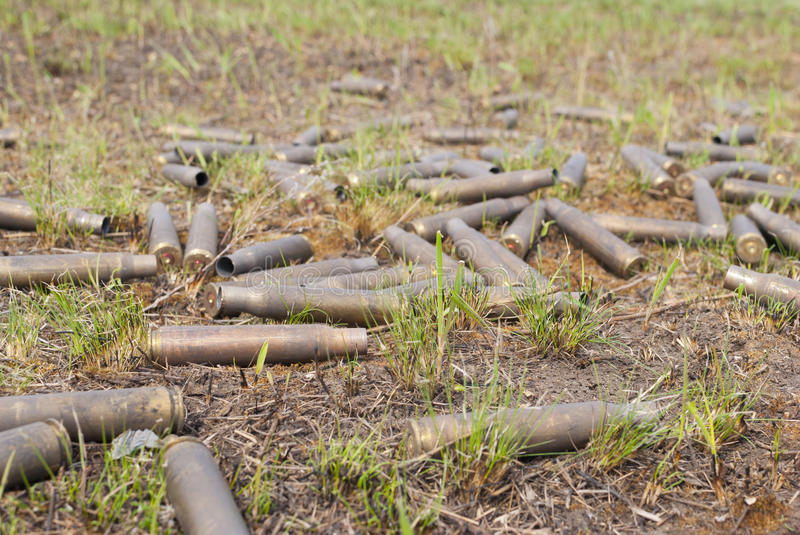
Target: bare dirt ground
279, 428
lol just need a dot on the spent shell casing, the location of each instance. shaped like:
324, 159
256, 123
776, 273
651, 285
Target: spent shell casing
301, 274
532, 430
215, 149
25, 270
506, 118
33, 452
512, 100
414, 249
645, 228
335, 133
196, 489
616, 255
526, 274
292, 188
738, 108
743, 134
361, 85
474, 215
465, 168
765, 288
313, 135
376, 279
591, 113
672, 166
714, 151
281, 168
524, 231
188, 175
783, 230
488, 186
309, 154
168, 157
398, 174
737, 190
201, 244
573, 172
162, 238
716, 172
649, 172
440, 155
750, 243
265, 256
99, 415
473, 247
17, 214
213, 133
709, 211
9, 136
241, 344
504, 301
496, 155
466, 135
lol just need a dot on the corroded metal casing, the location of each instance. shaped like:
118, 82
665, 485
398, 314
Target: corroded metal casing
466, 135
672, 166
709, 211
524, 231
616, 255
214, 149
473, 215
777, 226
493, 154
765, 288
645, 228
24, 270
736, 190
684, 183
750, 243
9, 136
489, 186
335, 305
415, 249
506, 118
313, 135
196, 489
99, 415
375, 279
472, 246
301, 274
649, 173
714, 173
552, 429
214, 133
744, 134
573, 172
714, 151
188, 175
466, 168
201, 245
394, 174
512, 100
280, 168
504, 301
591, 113
439, 156
306, 154
33, 452
162, 238
241, 344
361, 85
168, 157
526, 274
17, 214
265, 256
301, 194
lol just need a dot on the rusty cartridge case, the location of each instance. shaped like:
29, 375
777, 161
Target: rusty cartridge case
512, 100
524, 231
376, 279
473, 215
650, 173
265, 256
196, 489
736, 190
465, 135
33, 452
307, 154
489, 186
415, 249
335, 305
9, 136
472, 246
25, 270
241, 344
765, 288
714, 151
291, 187
99, 415
17, 214
301, 274
709, 211
162, 238
533, 430
645, 228
188, 175
616, 255
573, 172
743, 134
750, 243
361, 85
778, 227
201, 244
672, 166
591, 113
716, 172
213, 133
506, 118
